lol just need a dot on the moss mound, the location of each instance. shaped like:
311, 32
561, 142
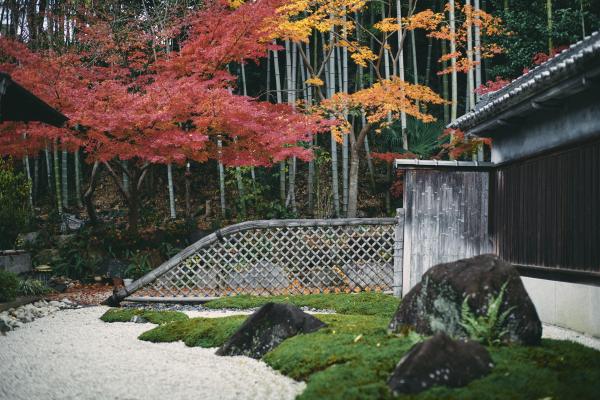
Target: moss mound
353, 303
354, 355
201, 332
156, 317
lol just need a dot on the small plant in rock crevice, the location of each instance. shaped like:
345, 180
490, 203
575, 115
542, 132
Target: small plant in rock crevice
489, 328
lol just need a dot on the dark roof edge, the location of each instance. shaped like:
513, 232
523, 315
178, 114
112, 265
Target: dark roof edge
57, 118
568, 64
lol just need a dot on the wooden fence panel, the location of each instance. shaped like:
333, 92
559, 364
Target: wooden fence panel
446, 218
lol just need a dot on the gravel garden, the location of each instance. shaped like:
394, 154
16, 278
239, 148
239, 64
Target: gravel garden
168, 351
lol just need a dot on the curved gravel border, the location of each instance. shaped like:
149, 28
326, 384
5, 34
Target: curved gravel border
74, 355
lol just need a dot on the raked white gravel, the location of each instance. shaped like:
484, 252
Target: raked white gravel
74, 355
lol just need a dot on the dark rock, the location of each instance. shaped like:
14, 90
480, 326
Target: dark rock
139, 320
267, 328
434, 304
440, 361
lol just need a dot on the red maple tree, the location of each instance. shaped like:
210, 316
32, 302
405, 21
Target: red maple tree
128, 100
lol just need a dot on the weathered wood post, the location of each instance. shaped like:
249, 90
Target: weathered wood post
398, 252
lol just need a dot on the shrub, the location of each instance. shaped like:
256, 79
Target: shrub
14, 198
9, 284
139, 265
32, 287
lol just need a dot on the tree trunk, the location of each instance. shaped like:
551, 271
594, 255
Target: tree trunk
125, 175
477, 53
48, 168
171, 191
344, 88
353, 181
550, 25
57, 178
241, 191
279, 101
188, 184
133, 215
369, 158
428, 62
413, 47
355, 145
403, 123
470, 74
291, 62
88, 199
454, 108
65, 178
304, 73
221, 180
445, 86
78, 179
28, 173
582, 19
334, 159
36, 176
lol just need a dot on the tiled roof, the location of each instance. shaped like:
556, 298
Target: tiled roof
570, 63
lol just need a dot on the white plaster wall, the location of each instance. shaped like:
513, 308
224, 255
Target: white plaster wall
569, 305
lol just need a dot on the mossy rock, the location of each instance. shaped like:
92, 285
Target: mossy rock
435, 303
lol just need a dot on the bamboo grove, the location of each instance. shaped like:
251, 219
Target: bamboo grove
305, 103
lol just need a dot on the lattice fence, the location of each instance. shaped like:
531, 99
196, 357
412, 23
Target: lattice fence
280, 257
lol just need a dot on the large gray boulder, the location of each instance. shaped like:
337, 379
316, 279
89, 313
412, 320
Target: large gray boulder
440, 361
434, 304
267, 328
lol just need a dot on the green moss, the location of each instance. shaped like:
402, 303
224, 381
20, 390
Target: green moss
353, 357
354, 303
156, 317
201, 332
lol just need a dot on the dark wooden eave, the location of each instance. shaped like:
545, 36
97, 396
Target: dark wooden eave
545, 87
19, 104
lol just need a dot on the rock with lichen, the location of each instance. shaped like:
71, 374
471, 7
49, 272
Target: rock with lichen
266, 328
440, 360
434, 304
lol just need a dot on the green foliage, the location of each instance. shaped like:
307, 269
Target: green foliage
76, 260
32, 287
488, 328
362, 303
424, 139
527, 22
9, 285
259, 199
139, 265
14, 204
155, 317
